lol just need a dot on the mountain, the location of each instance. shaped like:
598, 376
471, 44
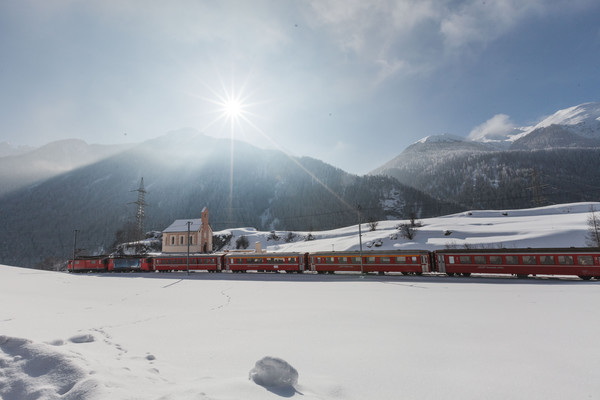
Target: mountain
7, 149
577, 126
241, 185
552, 137
582, 120
553, 162
428, 153
21, 169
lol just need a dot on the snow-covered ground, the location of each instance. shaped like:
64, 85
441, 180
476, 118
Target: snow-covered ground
170, 336
199, 336
563, 225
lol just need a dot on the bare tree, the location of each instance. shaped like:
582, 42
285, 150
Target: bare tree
593, 235
407, 231
290, 237
242, 242
373, 225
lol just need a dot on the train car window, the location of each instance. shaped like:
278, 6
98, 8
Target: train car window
530, 260
585, 260
385, 260
343, 260
371, 259
401, 260
565, 260
330, 260
465, 259
450, 259
495, 259
547, 260
512, 259
356, 259
414, 260
479, 259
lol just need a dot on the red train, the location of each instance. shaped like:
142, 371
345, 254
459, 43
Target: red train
406, 262
582, 262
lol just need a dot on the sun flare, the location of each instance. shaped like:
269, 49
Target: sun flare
233, 108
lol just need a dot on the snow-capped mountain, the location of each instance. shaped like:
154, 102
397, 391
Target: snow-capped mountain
431, 151
582, 120
496, 167
577, 126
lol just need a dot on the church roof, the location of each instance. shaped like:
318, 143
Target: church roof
180, 225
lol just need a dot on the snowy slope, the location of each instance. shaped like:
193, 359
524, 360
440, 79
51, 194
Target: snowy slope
562, 225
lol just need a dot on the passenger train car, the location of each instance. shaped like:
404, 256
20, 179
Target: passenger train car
406, 262
582, 262
179, 262
265, 262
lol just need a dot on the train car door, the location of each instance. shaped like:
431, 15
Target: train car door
425, 263
441, 263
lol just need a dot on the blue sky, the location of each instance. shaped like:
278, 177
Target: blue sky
351, 82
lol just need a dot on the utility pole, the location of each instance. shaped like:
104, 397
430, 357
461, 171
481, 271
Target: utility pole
537, 200
74, 249
188, 246
362, 270
140, 214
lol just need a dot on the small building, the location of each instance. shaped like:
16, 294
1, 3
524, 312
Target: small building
175, 237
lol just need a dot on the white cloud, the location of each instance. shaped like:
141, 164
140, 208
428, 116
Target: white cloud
496, 128
482, 21
388, 32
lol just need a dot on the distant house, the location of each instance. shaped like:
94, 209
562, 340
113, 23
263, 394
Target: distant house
175, 237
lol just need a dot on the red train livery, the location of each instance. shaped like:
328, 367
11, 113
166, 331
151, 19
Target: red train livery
88, 264
179, 262
582, 262
265, 262
406, 262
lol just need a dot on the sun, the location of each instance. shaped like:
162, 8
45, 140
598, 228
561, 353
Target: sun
232, 108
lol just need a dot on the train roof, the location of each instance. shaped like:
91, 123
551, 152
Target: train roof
355, 253
100, 257
521, 250
267, 254
167, 255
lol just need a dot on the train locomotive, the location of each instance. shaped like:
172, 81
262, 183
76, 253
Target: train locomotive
582, 262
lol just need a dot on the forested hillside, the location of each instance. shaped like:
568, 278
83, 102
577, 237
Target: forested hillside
183, 172
508, 179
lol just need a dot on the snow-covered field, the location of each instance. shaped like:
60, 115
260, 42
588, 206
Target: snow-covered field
174, 336
170, 336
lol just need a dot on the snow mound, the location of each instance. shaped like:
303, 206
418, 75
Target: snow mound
37, 371
84, 338
274, 372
